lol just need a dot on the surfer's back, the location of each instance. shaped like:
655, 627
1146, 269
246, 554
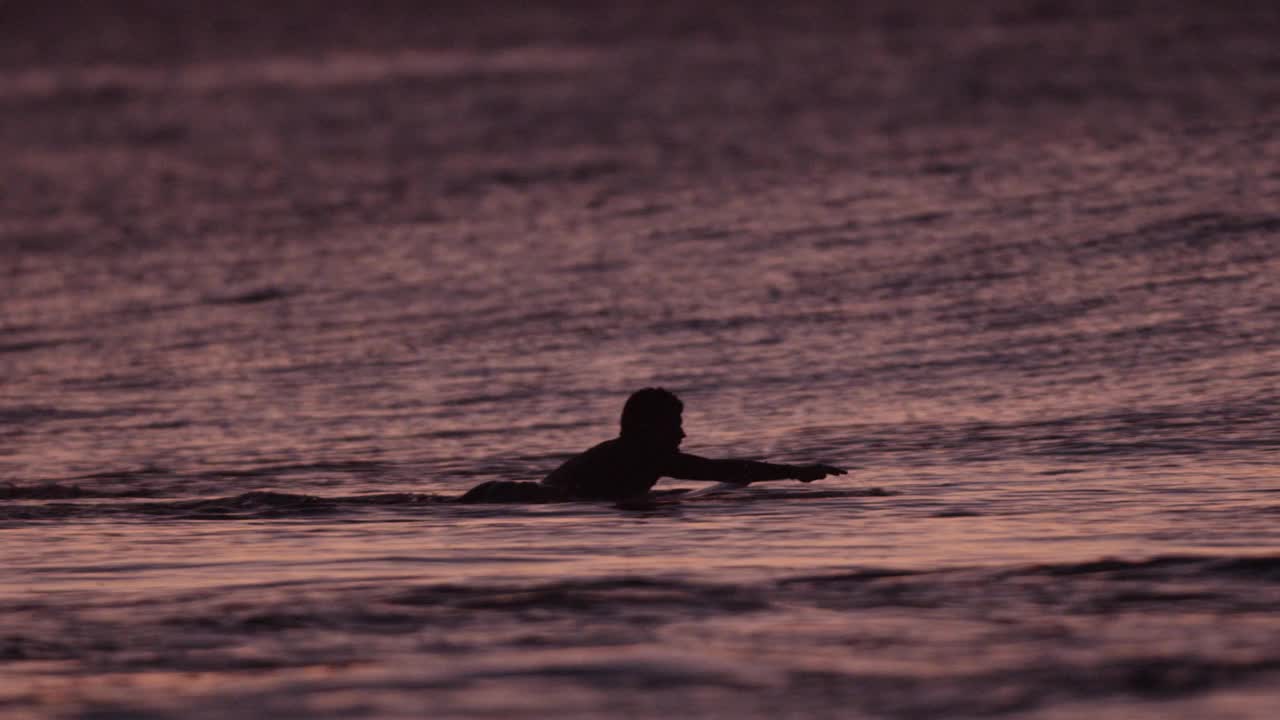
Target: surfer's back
614, 469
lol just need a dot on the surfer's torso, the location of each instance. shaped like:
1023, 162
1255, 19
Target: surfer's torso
619, 468
624, 468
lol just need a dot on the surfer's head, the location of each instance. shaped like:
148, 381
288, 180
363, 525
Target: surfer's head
653, 415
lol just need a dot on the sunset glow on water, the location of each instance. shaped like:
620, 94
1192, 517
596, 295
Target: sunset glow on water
278, 286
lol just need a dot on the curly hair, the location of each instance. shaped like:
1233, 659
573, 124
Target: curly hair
650, 405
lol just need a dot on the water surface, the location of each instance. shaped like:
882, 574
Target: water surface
277, 286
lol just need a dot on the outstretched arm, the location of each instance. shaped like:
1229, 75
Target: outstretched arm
691, 467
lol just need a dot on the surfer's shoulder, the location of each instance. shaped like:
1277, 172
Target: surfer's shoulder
583, 463
601, 455
608, 447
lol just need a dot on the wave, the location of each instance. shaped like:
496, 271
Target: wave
1183, 583
331, 70
57, 491
1212, 584
598, 596
266, 504
989, 641
1165, 567
262, 504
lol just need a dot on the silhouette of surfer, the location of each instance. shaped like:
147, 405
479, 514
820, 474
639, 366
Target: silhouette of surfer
647, 448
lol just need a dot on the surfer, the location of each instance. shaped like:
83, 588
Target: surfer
647, 448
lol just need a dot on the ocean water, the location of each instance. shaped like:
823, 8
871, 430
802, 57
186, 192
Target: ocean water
276, 285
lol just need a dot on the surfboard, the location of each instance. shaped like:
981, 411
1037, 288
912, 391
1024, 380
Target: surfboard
714, 489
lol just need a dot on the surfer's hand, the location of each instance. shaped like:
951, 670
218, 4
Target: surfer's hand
809, 473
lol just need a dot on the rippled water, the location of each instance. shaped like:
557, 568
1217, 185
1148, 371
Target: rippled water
278, 286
